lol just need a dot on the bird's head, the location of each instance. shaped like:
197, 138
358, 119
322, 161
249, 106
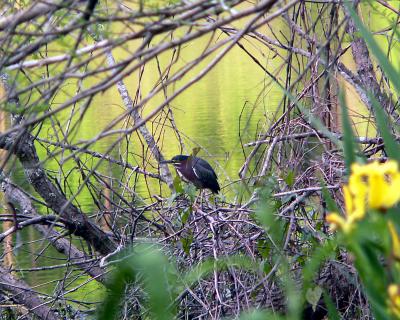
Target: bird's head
176, 160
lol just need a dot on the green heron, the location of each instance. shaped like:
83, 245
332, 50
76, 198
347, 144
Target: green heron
196, 170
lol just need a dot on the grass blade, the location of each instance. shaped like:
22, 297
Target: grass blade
382, 121
349, 146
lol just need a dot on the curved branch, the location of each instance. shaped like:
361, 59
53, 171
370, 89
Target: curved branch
62, 245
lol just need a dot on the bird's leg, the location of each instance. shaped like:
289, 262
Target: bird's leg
201, 198
200, 195
210, 199
194, 205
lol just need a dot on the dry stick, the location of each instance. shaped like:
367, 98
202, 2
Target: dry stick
235, 40
309, 189
151, 142
20, 53
264, 7
22, 294
50, 60
152, 29
365, 68
77, 222
99, 155
166, 175
115, 131
269, 156
307, 67
295, 136
38, 8
245, 166
62, 245
149, 29
118, 75
42, 220
22, 145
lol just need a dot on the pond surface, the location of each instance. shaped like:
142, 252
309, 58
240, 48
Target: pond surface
208, 115
234, 100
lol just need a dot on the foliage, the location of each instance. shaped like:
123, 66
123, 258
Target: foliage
91, 103
368, 229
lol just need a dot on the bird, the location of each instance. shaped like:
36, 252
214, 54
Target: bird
197, 171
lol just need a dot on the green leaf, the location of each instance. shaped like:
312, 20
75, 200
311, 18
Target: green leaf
185, 215
265, 215
178, 184
266, 267
264, 248
195, 151
290, 178
172, 198
148, 266
186, 242
331, 205
13, 108
349, 147
190, 190
205, 268
313, 296
382, 121
39, 108
321, 253
333, 314
259, 315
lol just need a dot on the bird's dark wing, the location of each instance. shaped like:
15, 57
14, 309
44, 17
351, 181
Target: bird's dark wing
205, 166
206, 174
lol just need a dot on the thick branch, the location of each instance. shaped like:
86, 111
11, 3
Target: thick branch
22, 294
62, 245
23, 147
38, 8
365, 68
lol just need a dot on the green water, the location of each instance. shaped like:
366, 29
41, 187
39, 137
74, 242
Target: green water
209, 114
229, 101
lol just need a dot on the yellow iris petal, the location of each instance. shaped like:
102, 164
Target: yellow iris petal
375, 185
338, 222
377, 189
394, 299
395, 240
392, 180
335, 220
378, 182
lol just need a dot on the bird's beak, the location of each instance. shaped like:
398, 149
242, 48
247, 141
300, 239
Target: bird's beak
166, 161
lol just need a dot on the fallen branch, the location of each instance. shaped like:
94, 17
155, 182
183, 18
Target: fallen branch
22, 294
62, 245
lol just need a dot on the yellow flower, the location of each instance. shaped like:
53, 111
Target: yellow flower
374, 185
380, 183
354, 203
394, 299
355, 211
338, 222
395, 240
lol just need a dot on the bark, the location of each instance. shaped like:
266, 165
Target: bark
62, 245
37, 9
365, 68
145, 133
22, 145
22, 294
77, 222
